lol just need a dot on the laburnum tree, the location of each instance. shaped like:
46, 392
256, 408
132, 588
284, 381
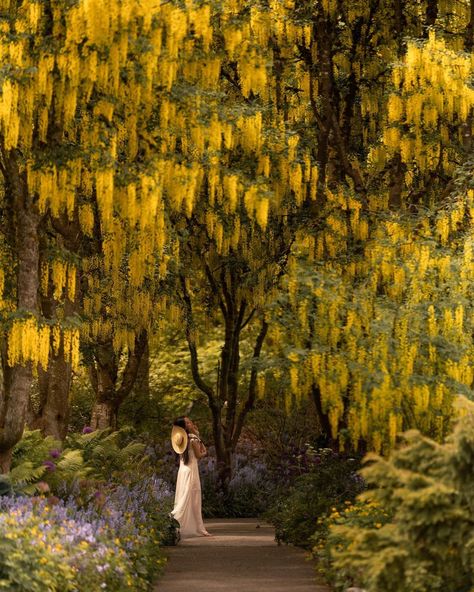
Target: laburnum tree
93, 138
387, 349
237, 143
298, 128
78, 102
382, 325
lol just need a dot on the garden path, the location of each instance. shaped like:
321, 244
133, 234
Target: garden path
242, 556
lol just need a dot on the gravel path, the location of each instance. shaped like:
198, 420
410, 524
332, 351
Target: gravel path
242, 556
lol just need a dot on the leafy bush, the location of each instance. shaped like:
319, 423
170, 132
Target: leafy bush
107, 453
249, 490
361, 514
428, 488
331, 479
37, 459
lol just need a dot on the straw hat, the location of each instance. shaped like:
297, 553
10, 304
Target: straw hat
179, 439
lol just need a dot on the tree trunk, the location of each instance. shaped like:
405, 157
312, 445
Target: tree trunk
142, 382
323, 417
6, 460
105, 376
139, 404
15, 394
431, 15
224, 458
52, 417
54, 386
104, 415
469, 36
399, 24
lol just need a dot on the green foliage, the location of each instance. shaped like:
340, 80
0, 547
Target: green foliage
33, 448
170, 534
29, 466
429, 544
361, 514
101, 455
5, 485
82, 401
25, 477
331, 480
106, 453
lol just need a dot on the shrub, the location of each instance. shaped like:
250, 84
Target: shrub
361, 514
331, 479
249, 491
98, 455
429, 544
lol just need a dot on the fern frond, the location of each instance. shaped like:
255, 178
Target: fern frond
99, 451
111, 439
88, 438
72, 461
26, 472
132, 450
30, 489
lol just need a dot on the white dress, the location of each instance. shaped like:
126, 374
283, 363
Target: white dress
187, 501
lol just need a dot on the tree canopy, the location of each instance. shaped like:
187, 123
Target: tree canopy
297, 175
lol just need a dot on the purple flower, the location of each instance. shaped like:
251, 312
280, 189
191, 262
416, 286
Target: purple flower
54, 453
87, 430
50, 466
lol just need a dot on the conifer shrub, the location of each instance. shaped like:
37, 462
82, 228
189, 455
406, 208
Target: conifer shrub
426, 544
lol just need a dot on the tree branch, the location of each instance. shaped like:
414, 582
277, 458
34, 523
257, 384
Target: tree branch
131, 369
233, 371
249, 404
227, 295
203, 386
248, 319
215, 289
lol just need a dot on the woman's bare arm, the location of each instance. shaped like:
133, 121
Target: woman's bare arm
199, 448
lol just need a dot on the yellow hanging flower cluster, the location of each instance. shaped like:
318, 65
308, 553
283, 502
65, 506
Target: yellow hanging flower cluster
29, 342
432, 92
376, 332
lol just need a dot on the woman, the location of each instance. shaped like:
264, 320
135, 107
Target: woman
187, 504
